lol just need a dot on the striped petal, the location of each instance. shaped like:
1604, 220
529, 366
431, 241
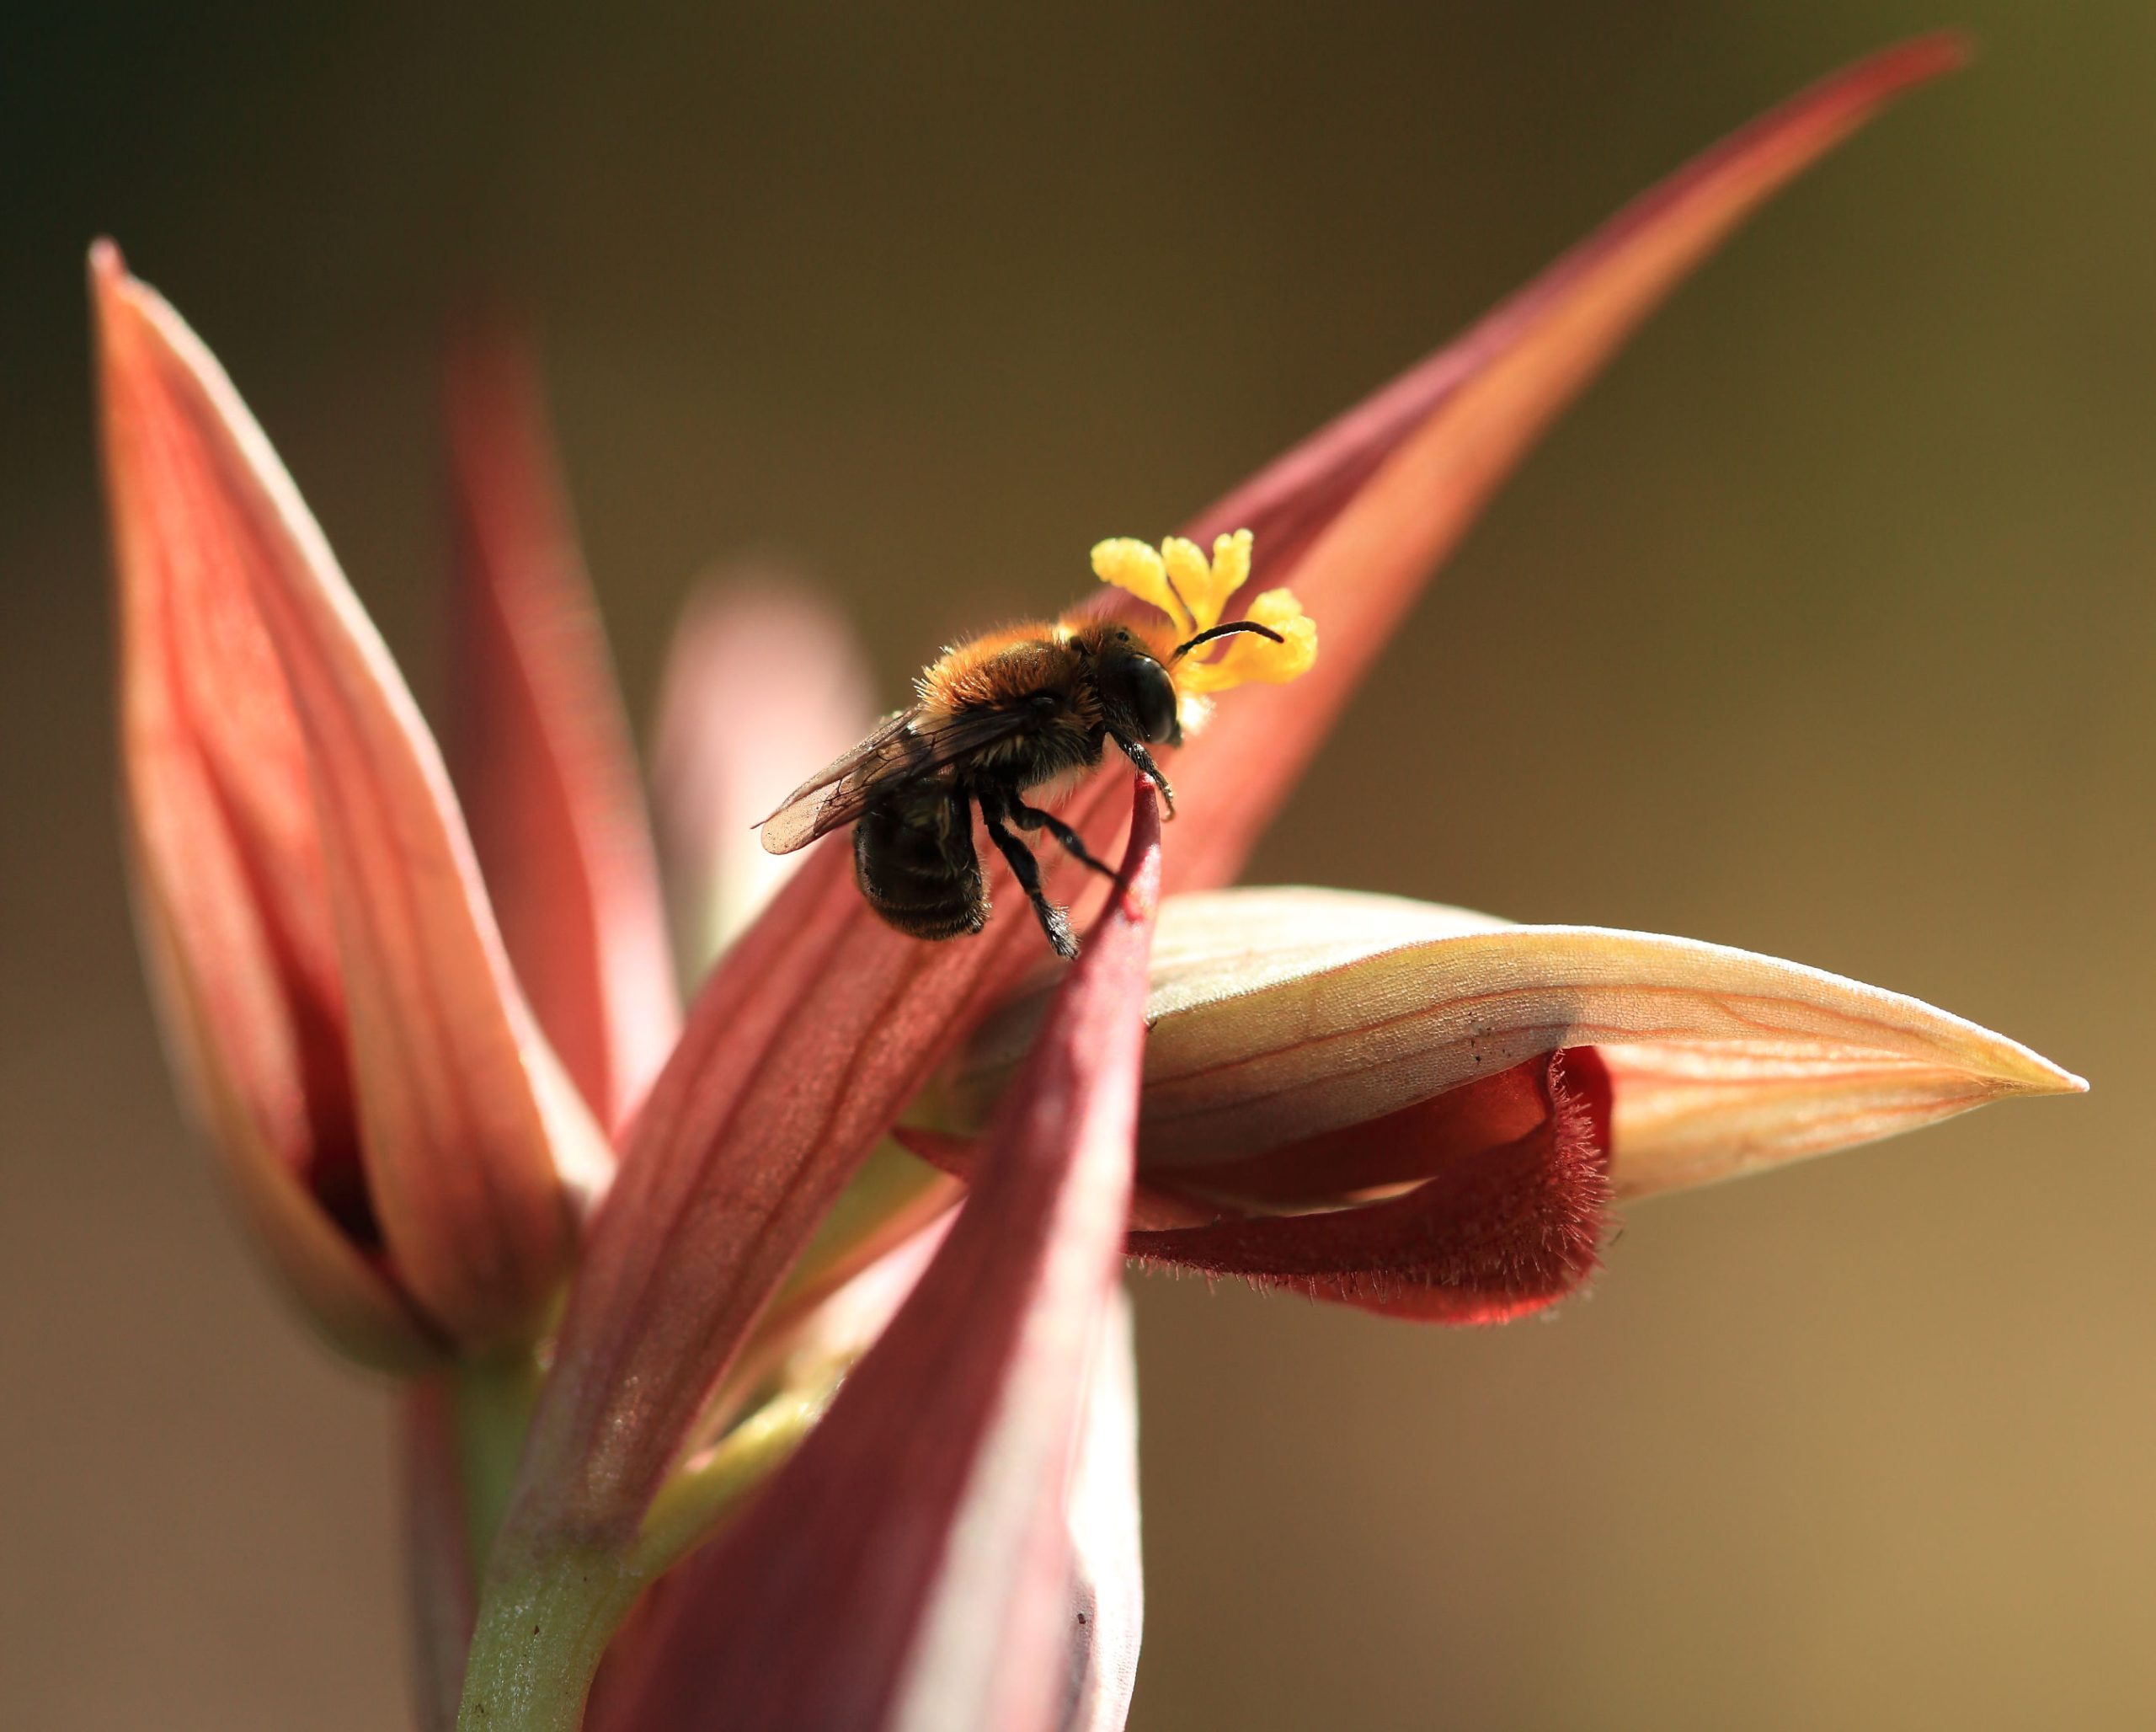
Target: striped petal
1285, 1022
541, 748
399, 1132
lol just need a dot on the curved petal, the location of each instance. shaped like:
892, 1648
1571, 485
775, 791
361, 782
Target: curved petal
1284, 1015
764, 676
232, 905
920, 1531
541, 748
386, 1019
1693, 1112
1313, 1052
1238, 1073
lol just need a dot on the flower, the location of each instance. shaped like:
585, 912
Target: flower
1427, 1111
790, 1446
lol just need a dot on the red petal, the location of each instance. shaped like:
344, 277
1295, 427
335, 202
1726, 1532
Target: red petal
912, 1563
228, 876
1498, 1229
464, 1125
439, 1598
541, 750
1392, 1149
821, 1022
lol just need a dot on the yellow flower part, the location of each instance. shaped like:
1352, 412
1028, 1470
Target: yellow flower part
1248, 660
1205, 586
1132, 565
1194, 592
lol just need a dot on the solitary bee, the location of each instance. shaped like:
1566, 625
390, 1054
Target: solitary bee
1026, 710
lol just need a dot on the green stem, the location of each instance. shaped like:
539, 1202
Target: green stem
542, 1631
545, 1620
493, 1401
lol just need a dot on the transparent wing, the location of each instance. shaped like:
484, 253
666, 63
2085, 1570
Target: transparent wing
837, 793
904, 748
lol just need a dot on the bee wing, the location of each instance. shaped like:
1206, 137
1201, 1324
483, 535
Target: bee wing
902, 749
836, 794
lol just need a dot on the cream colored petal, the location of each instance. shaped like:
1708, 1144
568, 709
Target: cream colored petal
1277, 1015
1690, 1113
1215, 944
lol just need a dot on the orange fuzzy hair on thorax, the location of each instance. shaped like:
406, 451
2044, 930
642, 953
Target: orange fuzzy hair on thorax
1038, 655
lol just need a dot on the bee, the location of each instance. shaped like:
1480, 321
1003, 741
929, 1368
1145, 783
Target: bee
1025, 711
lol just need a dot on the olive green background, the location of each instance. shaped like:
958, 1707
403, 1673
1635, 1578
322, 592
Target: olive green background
1823, 628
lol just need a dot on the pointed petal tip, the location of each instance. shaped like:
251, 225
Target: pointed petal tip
114, 295
1930, 56
2002, 1063
116, 291
107, 267
2030, 1072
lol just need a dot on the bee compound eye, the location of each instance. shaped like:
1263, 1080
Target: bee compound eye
1154, 699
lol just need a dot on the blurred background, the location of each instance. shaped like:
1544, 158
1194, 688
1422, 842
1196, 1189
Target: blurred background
1823, 627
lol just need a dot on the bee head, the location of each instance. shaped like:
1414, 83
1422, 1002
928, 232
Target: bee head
1134, 680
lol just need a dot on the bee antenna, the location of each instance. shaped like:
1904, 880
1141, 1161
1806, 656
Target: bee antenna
1224, 631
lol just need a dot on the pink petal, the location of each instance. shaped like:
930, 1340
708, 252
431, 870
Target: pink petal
820, 1022
232, 904
541, 750
440, 1595
912, 1564
1104, 1528
763, 677
372, 1007
1498, 1229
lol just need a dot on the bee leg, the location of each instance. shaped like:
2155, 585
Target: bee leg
1054, 921
1027, 817
1135, 749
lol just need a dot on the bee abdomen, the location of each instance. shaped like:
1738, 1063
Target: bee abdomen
916, 868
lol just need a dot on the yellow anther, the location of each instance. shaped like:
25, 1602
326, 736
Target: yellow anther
1132, 565
1205, 586
1194, 592
1249, 659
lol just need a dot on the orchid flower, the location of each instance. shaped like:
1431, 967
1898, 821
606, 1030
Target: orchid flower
712, 1411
